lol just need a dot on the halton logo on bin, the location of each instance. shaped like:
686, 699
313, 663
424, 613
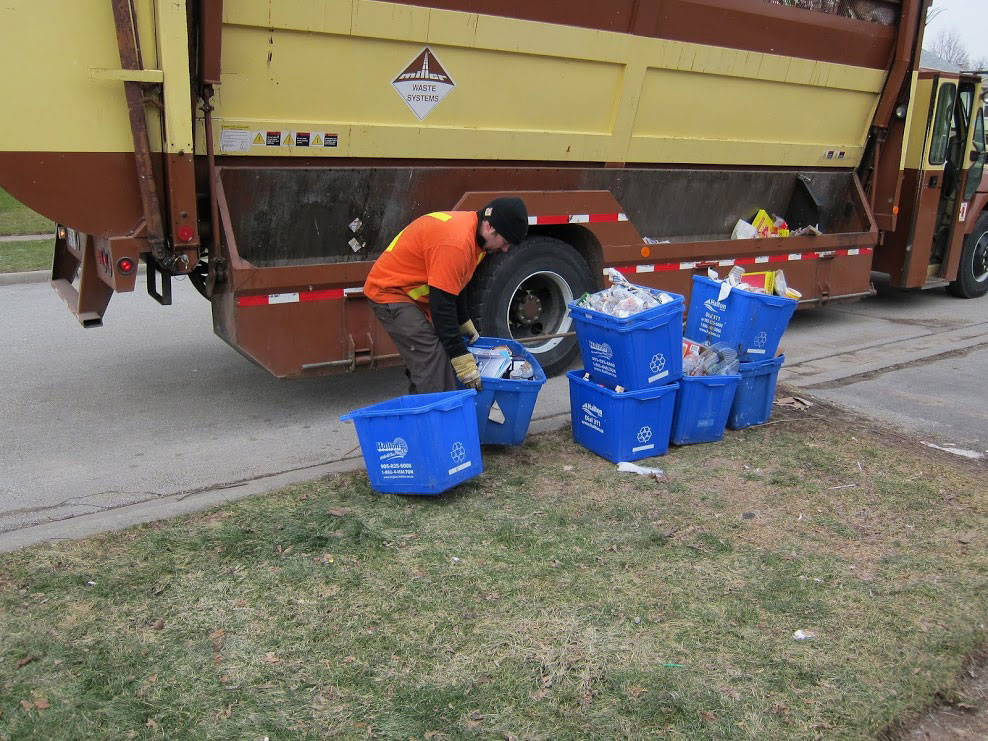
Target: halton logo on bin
601, 348
593, 410
390, 450
714, 305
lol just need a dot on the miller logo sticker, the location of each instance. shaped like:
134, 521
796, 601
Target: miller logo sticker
423, 84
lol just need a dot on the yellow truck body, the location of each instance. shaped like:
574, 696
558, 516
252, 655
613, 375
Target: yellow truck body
272, 149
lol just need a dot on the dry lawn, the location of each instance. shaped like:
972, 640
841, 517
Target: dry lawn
552, 597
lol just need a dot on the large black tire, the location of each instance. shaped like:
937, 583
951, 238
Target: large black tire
524, 293
972, 275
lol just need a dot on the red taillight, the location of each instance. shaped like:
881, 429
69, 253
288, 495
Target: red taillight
186, 233
126, 265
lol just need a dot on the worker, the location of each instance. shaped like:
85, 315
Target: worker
416, 289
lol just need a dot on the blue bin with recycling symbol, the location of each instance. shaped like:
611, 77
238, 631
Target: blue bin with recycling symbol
621, 427
752, 324
420, 444
638, 352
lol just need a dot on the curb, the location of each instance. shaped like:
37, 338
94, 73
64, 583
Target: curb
31, 276
26, 237
174, 505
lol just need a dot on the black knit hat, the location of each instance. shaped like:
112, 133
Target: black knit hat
508, 216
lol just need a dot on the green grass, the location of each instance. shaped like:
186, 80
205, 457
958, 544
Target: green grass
531, 602
20, 256
16, 218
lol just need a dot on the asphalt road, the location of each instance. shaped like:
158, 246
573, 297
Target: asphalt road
152, 415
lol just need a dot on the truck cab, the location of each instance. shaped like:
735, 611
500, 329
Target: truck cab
939, 239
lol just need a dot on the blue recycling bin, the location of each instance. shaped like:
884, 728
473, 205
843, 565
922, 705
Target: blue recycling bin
750, 323
622, 426
756, 392
638, 352
514, 397
419, 444
702, 406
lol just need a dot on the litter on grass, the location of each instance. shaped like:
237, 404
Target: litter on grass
640, 470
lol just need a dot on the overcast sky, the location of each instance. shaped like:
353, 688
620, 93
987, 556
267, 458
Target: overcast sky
968, 17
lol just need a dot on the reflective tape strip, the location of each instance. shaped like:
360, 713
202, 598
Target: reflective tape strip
417, 293
663, 267
394, 241
326, 295
575, 219
302, 297
441, 215
283, 298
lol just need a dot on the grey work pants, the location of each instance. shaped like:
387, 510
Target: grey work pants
426, 360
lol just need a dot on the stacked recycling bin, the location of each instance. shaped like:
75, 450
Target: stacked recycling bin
644, 384
622, 401
743, 323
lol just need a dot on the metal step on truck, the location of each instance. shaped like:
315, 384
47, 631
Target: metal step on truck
270, 150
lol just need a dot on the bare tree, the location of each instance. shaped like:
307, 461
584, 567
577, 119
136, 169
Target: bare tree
948, 45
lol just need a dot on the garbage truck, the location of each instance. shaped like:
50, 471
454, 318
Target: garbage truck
269, 151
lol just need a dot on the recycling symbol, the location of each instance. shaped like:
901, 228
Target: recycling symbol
458, 453
658, 363
645, 434
760, 339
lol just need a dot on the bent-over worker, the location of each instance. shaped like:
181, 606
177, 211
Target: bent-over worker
416, 289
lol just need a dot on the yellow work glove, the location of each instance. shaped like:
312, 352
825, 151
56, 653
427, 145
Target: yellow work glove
469, 332
466, 371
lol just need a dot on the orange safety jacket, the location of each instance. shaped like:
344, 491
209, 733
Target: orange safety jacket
439, 249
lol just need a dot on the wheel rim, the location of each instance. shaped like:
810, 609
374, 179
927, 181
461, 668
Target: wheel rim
539, 306
980, 259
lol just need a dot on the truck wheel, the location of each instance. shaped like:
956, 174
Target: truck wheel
972, 275
524, 293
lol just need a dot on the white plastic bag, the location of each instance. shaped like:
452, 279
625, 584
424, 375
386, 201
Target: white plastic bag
744, 230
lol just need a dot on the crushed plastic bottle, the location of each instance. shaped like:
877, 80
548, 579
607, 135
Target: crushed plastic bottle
724, 362
623, 299
709, 360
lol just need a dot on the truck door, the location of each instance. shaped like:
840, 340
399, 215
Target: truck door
926, 157
963, 158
